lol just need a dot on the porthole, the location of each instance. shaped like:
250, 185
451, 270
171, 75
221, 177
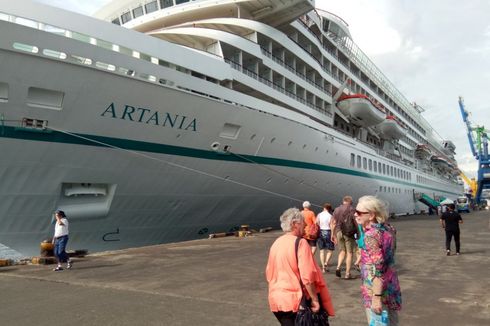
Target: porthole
253, 137
273, 140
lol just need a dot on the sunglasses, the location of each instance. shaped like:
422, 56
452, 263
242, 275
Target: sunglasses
361, 213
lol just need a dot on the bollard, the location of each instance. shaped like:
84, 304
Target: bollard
243, 232
47, 248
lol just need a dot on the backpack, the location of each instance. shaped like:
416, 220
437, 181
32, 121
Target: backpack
312, 231
348, 226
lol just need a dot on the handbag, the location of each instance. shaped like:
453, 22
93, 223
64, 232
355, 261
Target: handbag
305, 316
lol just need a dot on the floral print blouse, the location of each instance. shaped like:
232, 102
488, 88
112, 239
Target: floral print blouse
378, 260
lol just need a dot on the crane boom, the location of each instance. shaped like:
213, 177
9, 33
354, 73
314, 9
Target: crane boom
469, 129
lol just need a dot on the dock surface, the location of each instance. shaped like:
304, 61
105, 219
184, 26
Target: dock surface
221, 282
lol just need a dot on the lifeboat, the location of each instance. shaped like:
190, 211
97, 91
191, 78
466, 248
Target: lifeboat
391, 128
422, 152
439, 162
361, 110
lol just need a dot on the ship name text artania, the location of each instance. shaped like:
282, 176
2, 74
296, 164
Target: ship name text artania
150, 116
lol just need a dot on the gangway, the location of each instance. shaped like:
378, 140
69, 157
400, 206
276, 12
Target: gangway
427, 200
478, 139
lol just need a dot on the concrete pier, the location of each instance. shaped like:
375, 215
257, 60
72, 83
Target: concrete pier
221, 282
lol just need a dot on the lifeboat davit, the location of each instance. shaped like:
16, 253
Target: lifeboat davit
422, 152
391, 128
361, 110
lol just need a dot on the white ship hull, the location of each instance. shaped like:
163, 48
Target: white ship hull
134, 162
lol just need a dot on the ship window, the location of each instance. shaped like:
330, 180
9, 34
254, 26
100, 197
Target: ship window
45, 98
375, 166
370, 162
358, 161
54, 54
379, 167
178, 2
352, 159
166, 3
137, 12
364, 163
116, 21
4, 92
380, 188
384, 168
391, 171
26, 47
151, 7
125, 17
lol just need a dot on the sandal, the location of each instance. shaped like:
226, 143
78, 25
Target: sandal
348, 277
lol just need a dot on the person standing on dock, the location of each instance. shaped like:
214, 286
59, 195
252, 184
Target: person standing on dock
324, 220
60, 239
450, 221
310, 225
380, 288
291, 265
344, 230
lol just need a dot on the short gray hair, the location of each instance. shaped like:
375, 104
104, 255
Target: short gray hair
375, 205
290, 216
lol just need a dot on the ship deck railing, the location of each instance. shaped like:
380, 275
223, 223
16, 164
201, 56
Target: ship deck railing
254, 75
371, 70
381, 81
299, 74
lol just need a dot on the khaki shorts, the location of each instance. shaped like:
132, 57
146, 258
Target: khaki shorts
346, 243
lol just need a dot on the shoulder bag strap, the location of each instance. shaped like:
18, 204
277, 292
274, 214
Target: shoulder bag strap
303, 297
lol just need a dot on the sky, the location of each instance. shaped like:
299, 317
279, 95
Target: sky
432, 51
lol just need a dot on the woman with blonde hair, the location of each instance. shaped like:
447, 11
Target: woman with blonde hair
380, 287
287, 269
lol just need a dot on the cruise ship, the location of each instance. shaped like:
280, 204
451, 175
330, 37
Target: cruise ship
164, 121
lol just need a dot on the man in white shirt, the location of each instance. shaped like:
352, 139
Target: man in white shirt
60, 239
324, 241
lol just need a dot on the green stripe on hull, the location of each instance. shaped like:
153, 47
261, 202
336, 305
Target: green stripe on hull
60, 137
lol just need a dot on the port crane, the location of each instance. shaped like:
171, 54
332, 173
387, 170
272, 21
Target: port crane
470, 182
478, 139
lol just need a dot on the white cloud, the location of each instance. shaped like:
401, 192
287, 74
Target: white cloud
375, 37
87, 7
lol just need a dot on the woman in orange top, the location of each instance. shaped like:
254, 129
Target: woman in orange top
284, 270
310, 220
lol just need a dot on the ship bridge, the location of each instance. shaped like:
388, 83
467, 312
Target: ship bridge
164, 13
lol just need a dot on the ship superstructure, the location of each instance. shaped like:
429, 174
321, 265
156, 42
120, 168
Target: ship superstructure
175, 119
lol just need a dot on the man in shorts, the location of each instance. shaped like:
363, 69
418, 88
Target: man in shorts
344, 228
325, 244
